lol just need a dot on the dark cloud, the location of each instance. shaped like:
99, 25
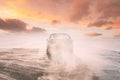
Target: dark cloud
16, 25
108, 28
36, 29
12, 25
92, 34
99, 23
55, 22
116, 35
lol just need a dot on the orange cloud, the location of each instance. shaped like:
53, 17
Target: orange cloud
96, 13
79, 9
27, 9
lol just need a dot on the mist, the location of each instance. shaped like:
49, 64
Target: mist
84, 61
74, 57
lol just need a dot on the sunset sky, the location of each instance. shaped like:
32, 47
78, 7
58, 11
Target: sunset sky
85, 17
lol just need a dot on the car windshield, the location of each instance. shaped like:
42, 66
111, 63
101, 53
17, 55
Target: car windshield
59, 36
